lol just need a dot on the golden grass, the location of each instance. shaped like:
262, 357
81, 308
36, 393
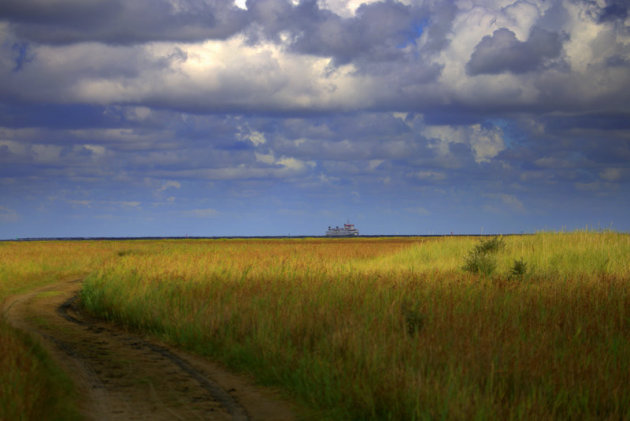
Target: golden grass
394, 328
360, 328
31, 387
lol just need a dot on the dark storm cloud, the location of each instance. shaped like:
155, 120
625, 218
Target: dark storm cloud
615, 10
122, 22
503, 52
377, 32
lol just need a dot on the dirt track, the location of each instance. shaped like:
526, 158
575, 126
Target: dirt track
124, 376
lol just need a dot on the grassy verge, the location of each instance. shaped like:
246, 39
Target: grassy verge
395, 328
31, 386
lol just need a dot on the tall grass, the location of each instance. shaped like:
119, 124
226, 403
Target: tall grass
395, 329
31, 386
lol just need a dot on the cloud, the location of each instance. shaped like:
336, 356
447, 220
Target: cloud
122, 22
375, 33
170, 184
485, 142
615, 10
201, 213
255, 137
503, 52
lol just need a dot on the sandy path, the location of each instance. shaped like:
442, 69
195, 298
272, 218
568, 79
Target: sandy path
121, 375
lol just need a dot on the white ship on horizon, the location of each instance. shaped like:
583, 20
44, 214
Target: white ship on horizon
348, 230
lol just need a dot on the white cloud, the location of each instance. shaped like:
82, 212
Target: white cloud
257, 138
287, 163
346, 8
374, 164
170, 184
265, 158
486, 143
215, 74
97, 150
293, 164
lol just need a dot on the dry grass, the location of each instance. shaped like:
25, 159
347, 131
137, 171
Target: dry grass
359, 328
395, 328
31, 387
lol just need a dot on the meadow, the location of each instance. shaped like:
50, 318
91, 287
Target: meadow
378, 328
31, 386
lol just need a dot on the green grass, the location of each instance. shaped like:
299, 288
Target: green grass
359, 328
31, 386
395, 329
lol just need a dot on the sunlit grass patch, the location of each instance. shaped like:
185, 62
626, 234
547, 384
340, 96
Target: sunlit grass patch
377, 329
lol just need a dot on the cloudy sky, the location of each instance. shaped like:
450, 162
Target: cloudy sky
277, 117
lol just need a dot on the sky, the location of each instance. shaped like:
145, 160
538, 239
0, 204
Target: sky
283, 117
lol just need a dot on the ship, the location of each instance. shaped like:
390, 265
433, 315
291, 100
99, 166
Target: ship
348, 230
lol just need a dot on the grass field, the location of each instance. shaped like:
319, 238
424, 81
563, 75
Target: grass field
395, 328
31, 387
391, 328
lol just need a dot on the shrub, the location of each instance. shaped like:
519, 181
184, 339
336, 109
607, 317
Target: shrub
480, 259
489, 246
519, 269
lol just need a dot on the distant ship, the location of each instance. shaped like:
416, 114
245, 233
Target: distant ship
348, 230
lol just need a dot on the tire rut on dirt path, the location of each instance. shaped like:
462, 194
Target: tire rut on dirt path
120, 375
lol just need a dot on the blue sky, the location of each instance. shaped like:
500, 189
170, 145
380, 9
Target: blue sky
277, 117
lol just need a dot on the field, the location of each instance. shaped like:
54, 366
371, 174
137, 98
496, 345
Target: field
31, 387
372, 328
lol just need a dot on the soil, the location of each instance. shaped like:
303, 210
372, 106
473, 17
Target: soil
120, 375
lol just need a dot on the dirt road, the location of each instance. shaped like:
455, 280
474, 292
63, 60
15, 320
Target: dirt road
123, 376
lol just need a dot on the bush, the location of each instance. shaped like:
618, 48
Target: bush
481, 258
480, 263
519, 269
489, 246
